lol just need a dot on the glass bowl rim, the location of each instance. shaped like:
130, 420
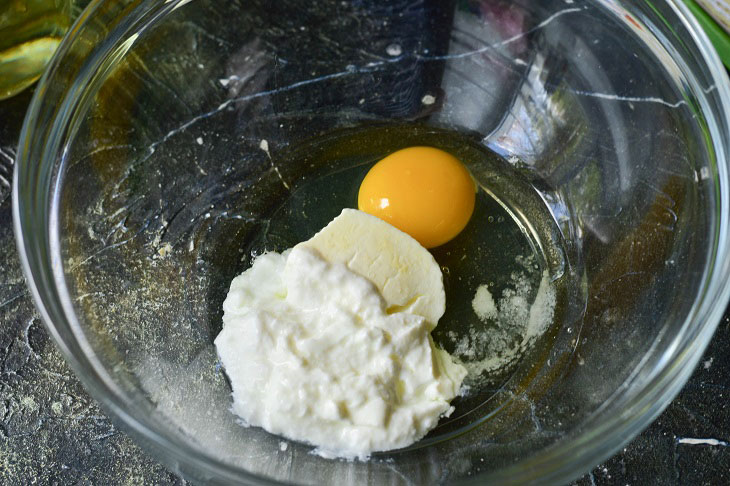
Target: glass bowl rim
561, 462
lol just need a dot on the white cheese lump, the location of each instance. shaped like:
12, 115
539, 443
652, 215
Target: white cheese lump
315, 353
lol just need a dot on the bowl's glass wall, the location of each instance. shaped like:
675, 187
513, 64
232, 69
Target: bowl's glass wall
159, 176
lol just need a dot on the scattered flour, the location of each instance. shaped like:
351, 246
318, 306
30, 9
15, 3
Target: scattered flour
483, 304
511, 326
164, 250
428, 99
394, 50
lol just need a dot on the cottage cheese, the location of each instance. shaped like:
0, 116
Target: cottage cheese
315, 353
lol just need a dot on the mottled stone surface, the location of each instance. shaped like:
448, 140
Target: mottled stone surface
52, 432
689, 444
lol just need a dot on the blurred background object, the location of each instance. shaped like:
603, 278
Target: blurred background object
30, 31
714, 17
719, 10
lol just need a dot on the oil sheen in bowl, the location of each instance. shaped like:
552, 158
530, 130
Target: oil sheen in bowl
504, 274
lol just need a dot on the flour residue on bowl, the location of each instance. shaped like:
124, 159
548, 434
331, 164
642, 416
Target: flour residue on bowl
510, 325
483, 303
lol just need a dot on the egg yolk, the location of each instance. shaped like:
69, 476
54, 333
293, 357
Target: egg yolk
423, 191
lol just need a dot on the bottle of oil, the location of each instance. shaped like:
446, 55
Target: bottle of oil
30, 31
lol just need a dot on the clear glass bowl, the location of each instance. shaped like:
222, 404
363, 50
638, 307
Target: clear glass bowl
142, 179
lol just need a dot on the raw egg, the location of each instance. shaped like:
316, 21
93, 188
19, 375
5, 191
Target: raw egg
423, 191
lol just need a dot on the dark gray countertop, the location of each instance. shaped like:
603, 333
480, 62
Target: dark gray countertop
52, 432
